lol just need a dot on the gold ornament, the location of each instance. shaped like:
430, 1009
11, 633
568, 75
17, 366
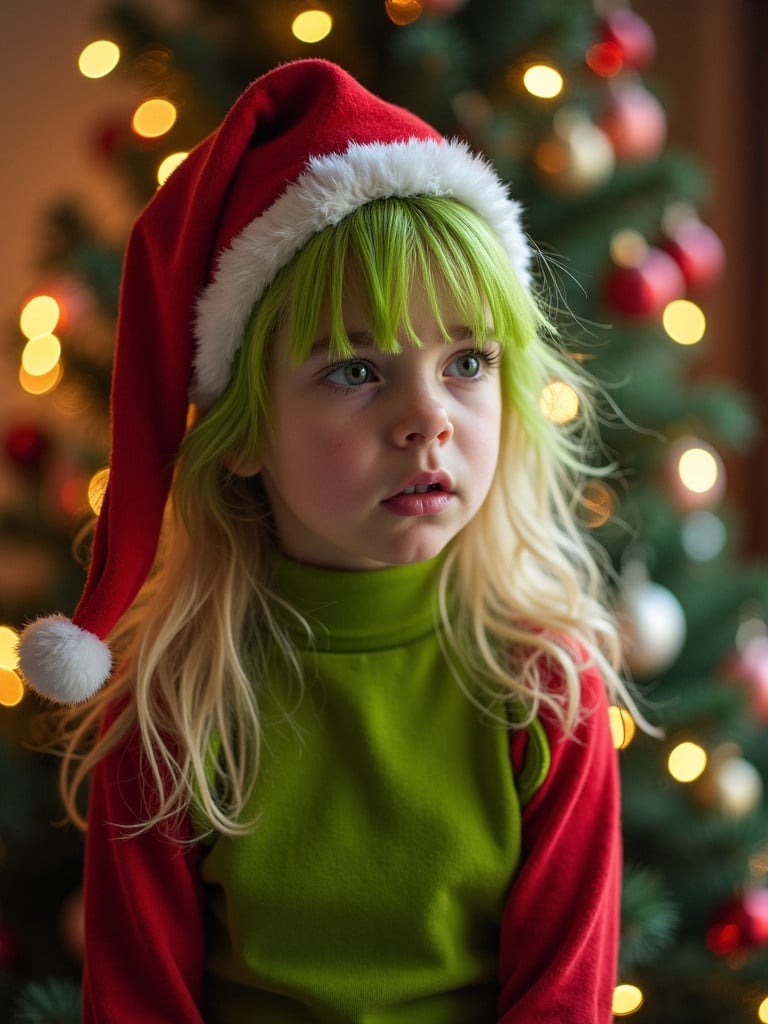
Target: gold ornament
576, 157
403, 12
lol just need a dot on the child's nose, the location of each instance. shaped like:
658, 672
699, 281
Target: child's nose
422, 419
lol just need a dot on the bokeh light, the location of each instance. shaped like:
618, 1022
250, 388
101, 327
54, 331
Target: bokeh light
559, 402
543, 81
39, 315
40, 384
98, 58
169, 165
623, 727
312, 26
684, 322
11, 688
97, 487
9, 638
627, 999
154, 118
687, 762
41, 354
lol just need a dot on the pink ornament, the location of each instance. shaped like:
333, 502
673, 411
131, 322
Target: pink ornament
698, 252
749, 668
632, 35
740, 925
645, 289
635, 122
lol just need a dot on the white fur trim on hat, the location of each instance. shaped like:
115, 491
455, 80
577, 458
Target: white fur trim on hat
328, 190
67, 663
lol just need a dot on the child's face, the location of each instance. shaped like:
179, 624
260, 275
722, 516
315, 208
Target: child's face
351, 440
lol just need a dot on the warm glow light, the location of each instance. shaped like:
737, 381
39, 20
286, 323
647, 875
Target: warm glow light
686, 762
623, 727
154, 118
9, 638
627, 999
41, 354
628, 248
312, 26
598, 504
96, 488
543, 81
684, 322
698, 469
39, 316
559, 402
169, 165
762, 1011
11, 688
98, 58
40, 384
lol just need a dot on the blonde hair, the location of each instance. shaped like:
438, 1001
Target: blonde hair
529, 588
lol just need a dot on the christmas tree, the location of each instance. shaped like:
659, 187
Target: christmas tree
560, 94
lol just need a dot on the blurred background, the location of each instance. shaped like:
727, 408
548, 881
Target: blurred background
635, 136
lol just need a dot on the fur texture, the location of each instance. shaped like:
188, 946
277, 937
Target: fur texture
329, 189
67, 663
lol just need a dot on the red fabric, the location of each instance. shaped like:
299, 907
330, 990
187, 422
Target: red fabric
560, 931
145, 944
144, 941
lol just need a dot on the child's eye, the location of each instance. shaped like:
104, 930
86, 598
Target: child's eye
350, 374
471, 364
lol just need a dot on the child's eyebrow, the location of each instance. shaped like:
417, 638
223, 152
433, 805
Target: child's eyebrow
361, 340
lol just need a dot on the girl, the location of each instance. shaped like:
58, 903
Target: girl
355, 764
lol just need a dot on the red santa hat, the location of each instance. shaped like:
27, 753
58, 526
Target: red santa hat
304, 146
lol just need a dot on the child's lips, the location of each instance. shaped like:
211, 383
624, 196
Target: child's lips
423, 494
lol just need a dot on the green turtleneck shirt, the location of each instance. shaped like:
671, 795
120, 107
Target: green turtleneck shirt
371, 890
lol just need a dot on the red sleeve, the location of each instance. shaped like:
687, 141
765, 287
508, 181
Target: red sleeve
560, 929
143, 908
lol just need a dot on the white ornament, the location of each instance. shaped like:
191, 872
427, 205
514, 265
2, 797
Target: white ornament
653, 621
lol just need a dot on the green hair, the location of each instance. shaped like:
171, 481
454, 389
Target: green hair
529, 590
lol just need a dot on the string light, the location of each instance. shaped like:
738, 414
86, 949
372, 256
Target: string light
11, 688
559, 402
9, 656
154, 118
40, 315
169, 165
627, 999
684, 322
698, 469
40, 384
98, 58
543, 81
41, 354
97, 487
628, 248
687, 762
312, 26
623, 727
762, 1011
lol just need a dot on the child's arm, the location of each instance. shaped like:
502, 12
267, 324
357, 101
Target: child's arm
559, 936
143, 916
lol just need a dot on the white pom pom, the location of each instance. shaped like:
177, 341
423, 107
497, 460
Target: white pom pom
62, 661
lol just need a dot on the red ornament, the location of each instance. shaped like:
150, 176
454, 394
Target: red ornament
740, 925
642, 288
635, 122
697, 251
749, 668
632, 35
27, 447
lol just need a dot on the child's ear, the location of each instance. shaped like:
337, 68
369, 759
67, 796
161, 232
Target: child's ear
242, 465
